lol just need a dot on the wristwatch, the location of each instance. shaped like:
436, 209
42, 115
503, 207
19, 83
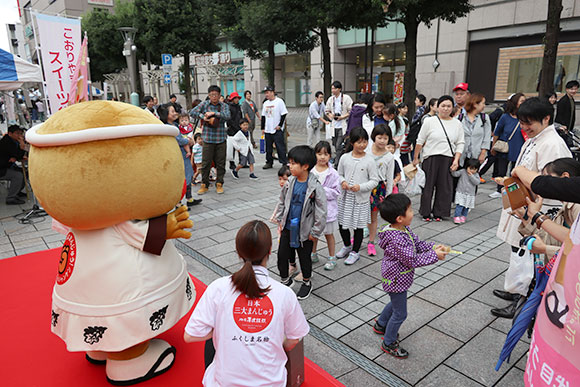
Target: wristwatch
536, 216
540, 221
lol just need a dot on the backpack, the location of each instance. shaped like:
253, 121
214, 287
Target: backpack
414, 130
483, 118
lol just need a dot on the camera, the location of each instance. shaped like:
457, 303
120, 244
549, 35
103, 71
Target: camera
336, 116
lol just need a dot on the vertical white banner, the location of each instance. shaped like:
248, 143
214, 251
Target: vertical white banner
60, 44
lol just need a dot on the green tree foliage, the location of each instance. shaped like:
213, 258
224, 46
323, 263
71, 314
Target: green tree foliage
256, 26
323, 15
412, 13
177, 27
105, 43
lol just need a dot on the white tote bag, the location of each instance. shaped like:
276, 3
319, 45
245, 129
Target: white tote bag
520, 272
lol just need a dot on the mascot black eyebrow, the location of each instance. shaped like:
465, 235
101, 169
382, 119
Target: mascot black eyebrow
109, 173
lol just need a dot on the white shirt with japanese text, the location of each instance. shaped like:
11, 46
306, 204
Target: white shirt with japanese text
248, 334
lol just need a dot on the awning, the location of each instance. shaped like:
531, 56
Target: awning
14, 71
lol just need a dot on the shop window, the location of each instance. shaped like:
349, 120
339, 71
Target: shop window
519, 69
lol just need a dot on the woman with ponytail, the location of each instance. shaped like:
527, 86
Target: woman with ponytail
251, 318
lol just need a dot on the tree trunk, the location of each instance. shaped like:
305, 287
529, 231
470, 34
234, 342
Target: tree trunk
325, 46
410, 81
187, 80
550, 47
271, 65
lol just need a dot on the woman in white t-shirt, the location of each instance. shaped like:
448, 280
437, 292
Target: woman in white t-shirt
252, 319
440, 144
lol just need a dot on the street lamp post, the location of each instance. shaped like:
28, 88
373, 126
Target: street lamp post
130, 53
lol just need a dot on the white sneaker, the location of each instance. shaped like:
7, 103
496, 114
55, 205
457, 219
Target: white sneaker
495, 195
344, 251
365, 232
352, 258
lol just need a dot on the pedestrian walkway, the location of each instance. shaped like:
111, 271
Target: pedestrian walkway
452, 337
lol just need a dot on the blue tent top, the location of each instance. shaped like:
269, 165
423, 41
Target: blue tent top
14, 71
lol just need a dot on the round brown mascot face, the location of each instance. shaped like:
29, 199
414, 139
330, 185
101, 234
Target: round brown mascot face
96, 164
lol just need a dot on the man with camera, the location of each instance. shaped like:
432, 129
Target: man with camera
214, 115
338, 106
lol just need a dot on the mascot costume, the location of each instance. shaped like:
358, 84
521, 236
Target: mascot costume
109, 173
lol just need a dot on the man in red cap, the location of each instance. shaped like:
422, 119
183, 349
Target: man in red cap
233, 126
461, 92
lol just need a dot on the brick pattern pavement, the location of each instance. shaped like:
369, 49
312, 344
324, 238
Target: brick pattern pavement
452, 338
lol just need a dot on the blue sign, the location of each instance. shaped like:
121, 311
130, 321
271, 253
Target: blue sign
166, 59
167, 79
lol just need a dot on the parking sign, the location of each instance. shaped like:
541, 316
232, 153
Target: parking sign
166, 59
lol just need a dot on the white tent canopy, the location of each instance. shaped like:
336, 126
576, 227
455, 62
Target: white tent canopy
14, 71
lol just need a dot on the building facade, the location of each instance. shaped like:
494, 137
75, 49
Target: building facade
15, 34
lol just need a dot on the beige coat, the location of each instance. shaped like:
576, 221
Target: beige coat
534, 155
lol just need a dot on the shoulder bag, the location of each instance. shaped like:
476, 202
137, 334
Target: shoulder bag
446, 136
501, 146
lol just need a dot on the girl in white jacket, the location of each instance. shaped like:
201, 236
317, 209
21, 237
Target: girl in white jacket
358, 176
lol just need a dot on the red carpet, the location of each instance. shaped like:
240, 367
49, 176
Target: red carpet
32, 356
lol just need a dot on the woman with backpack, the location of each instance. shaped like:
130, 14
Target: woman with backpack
476, 129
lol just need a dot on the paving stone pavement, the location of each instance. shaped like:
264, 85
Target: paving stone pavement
452, 338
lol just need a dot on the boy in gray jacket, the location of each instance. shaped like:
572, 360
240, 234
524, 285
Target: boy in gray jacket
301, 216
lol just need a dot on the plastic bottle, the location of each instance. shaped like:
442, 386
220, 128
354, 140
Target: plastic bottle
262, 145
294, 236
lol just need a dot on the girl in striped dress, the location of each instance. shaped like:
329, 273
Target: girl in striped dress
358, 176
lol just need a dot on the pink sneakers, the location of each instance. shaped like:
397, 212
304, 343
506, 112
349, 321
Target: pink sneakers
371, 249
457, 220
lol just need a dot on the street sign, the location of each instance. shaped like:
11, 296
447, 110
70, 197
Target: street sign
167, 79
166, 59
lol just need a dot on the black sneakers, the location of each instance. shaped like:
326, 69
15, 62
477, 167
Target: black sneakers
304, 291
379, 330
288, 282
394, 350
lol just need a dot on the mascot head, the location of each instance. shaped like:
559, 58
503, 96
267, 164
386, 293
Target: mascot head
96, 164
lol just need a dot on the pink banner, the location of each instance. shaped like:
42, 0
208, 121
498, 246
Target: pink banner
79, 84
554, 357
60, 41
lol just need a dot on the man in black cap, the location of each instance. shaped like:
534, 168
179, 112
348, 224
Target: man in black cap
12, 149
273, 116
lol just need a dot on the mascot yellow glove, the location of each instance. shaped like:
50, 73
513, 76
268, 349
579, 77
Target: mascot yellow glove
177, 221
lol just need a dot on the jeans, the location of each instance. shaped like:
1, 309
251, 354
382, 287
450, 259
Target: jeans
393, 315
461, 211
16, 178
277, 138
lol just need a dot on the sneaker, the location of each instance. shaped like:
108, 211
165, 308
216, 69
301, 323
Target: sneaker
304, 291
235, 174
371, 250
481, 180
267, 166
495, 195
426, 219
463, 218
331, 264
352, 258
293, 270
15, 201
365, 232
253, 177
438, 219
457, 220
288, 282
378, 329
219, 188
202, 190
344, 251
314, 257
394, 350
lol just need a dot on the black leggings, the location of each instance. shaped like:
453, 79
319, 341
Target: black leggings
358, 237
